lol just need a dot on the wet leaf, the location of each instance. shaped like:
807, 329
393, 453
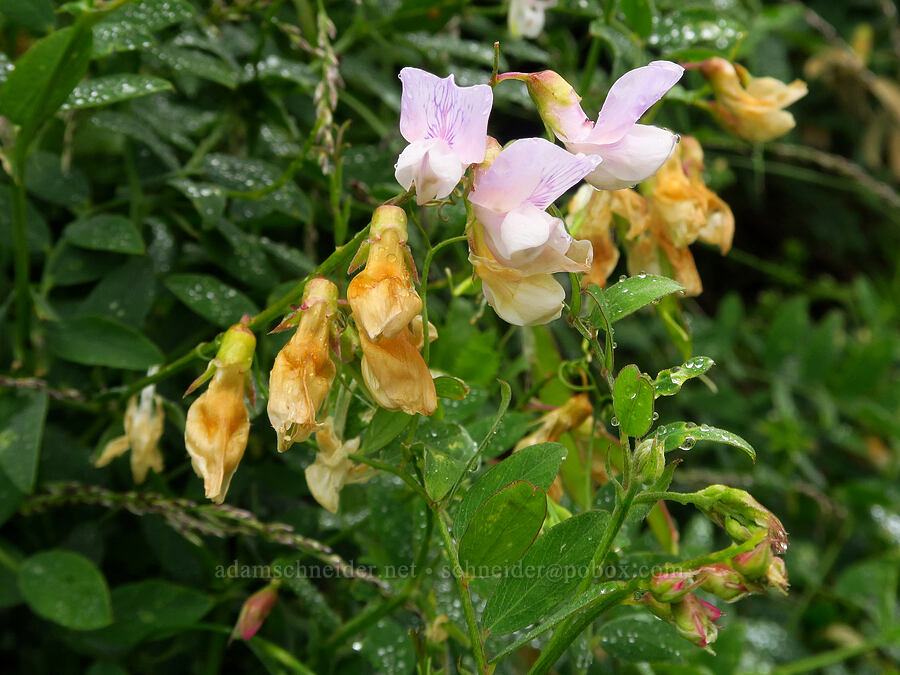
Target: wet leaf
212, 299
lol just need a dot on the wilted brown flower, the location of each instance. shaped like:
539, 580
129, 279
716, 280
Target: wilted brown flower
382, 296
217, 425
386, 308
750, 107
303, 371
396, 374
332, 469
144, 421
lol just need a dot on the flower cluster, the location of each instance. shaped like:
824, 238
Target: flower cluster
517, 242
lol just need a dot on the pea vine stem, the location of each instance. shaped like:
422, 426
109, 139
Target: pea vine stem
462, 586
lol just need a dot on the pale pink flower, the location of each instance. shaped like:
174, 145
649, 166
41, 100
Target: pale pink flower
516, 245
631, 152
446, 126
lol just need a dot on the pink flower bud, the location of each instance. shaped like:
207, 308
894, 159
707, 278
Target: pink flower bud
672, 586
695, 620
753, 564
254, 612
726, 583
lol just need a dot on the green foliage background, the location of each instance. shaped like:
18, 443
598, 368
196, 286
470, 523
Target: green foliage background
216, 152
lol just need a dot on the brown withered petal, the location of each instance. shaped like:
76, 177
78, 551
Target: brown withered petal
217, 429
595, 222
301, 378
555, 423
382, 296
144, 423
332, 469
396, 374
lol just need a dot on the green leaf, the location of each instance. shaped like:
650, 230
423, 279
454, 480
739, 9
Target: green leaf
668, 382
451, 387
22, 415
680, 30
147, 607
131, 127
125, 293
638, 15
197, 63
629, 295
551, 569
36, 16
132, 26
71, 265
66, 588
215, 301
643, 638
385, 426
389, 648
101, 341
537, 464
596, 595
502, 529
448, 449
207, 198
43, 78
45, 178
109, 89
871, 585
684, 435
107, 232
633, 401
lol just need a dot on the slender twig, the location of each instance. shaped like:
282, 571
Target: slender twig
36, 384
193, 520
426, 348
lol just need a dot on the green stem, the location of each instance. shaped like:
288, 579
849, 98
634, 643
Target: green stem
21, 264
818, 661
463, 588
376, 611
653, 497
590, 65
426, 348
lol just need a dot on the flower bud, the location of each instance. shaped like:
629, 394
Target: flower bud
556, 101
332, 468
695, 620
661, 609
144, 421
776, 575
217, 424
750, 107
672, 586
303, 371
396, 374
753, 564
254, 612
741, 515
382, 296
726, 583
649, 461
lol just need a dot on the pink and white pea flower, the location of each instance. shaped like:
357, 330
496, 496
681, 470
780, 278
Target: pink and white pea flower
631, 152
446, 127
516, 246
